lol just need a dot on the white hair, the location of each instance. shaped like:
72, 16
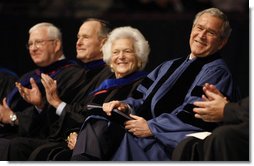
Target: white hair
141, 46
53, 31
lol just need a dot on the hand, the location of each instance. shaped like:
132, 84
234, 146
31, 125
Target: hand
108, 107
211, 88
5, 113
138, 127
71, 140
211, 109
50, 86
33, 95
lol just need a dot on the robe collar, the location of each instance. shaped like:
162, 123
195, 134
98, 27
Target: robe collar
93, 64
54, 67
114, 82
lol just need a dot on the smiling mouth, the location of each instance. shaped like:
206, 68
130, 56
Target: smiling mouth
201, 43
79, 49
122, 63
35, 55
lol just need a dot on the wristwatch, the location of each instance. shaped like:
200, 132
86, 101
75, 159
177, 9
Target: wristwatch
13, 118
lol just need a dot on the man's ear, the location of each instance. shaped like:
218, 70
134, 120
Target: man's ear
103, 41
223, 42
57, 45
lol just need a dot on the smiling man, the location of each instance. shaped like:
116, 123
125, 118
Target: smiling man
45, 48
164, 109
48, 116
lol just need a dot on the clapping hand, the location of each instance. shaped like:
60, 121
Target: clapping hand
50, 86
33, 95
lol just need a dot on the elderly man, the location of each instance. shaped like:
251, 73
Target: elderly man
55, 122
163, 112
45, 48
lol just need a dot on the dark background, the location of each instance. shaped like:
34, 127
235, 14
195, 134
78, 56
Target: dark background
166, 27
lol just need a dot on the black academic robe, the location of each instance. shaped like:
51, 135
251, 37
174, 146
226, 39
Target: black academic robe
71, 117
166, 102
229, 142
52, 126
98, 125
7, 82
69, 78
110, 89
73, 83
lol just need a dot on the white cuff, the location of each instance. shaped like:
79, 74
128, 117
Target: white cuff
60, 108
38, 109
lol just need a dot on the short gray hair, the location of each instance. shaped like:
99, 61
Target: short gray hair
225, 29
141, 46
53, 31
105, 26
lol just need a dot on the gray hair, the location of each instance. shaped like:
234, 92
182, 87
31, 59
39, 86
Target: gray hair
53, 31
141, 45
105, 27
225, 29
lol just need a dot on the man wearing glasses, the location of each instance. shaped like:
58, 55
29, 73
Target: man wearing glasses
49, 119
45, 48
20, 118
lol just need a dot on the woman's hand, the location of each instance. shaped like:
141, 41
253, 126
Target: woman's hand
108, 107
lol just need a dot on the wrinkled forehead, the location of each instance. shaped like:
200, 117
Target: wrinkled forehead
210, 21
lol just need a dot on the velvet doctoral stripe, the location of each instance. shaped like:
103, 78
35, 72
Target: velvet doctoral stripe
175, 95
114, 83
144, 110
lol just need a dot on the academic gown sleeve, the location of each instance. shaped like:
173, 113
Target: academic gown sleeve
238, 112
26, 113
167, 128
7, 83
75, 112
97, 128
69, 82
144, 88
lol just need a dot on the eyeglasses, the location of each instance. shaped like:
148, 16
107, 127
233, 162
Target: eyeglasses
38, 43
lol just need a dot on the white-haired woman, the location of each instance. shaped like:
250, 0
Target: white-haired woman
126, 53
